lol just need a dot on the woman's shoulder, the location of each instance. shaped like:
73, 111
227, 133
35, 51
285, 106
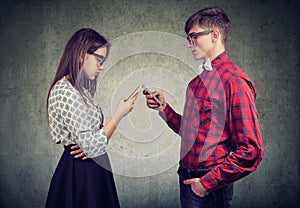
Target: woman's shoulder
61, 84
63, 88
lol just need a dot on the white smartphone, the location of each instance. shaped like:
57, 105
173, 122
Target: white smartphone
134, 91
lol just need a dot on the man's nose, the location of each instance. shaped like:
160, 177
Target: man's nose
189, 45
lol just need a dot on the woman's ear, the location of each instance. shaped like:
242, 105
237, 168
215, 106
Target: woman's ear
83, 57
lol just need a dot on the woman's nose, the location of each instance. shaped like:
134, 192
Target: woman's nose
101, 67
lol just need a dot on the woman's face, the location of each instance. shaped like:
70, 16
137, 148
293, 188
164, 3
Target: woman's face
93, 63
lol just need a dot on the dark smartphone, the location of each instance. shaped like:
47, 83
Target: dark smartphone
147, 91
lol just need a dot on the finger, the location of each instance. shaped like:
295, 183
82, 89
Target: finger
135, 96
145, 92
76, 152
84, 158
152, 103
75, 146
191, 181
152, 106
155, 105
80, 155
148, 96
201, 194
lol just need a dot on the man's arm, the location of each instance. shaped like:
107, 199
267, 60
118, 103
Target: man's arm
242, 121
172, 118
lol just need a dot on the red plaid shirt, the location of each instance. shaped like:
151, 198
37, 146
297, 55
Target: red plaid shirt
219, 126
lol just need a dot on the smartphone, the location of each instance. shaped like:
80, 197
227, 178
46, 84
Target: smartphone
134, 91
155, 98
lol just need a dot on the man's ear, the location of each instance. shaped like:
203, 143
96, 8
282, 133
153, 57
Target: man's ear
216, 35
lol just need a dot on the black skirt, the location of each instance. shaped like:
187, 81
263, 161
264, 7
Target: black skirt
82, 183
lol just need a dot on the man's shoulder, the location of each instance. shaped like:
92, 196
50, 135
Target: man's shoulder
232, 75
192, 82
229, 72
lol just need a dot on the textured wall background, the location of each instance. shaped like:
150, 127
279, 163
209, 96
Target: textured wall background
263, 41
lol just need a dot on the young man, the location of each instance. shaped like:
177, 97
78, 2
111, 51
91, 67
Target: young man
221, 140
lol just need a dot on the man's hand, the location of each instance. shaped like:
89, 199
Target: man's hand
196, 186
150, 101
77, 151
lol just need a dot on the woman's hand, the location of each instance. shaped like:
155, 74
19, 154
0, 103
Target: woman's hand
124, 107
77, 151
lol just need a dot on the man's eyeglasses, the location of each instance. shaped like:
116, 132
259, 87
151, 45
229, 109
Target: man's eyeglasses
191, 36
100, 58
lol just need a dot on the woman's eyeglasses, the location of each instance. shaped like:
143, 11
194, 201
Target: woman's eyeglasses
100, 58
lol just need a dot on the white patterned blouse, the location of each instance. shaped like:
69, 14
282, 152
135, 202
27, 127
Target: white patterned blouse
72, 121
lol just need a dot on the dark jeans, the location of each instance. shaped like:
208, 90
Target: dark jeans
220, 198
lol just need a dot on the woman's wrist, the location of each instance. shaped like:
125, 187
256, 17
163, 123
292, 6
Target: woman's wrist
116, 118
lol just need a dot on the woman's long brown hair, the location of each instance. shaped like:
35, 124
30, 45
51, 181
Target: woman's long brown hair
83, 41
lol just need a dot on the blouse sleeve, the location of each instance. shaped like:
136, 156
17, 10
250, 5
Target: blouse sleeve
83, 123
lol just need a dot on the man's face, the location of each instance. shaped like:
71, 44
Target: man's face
201, 43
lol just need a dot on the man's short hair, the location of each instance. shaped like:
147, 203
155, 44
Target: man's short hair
208, 18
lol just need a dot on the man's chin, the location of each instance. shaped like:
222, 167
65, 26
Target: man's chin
198, 57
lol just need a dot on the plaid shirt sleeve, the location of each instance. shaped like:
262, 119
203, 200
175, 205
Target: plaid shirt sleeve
172, 118
242, 121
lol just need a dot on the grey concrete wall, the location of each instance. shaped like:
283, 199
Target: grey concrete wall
263, 41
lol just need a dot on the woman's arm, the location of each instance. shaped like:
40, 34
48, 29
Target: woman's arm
122, 110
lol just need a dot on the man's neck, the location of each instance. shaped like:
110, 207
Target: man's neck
216, 51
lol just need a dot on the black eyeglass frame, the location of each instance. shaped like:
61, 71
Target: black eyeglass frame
100, 63
194, 35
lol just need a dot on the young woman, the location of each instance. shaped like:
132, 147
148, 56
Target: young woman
76, 121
